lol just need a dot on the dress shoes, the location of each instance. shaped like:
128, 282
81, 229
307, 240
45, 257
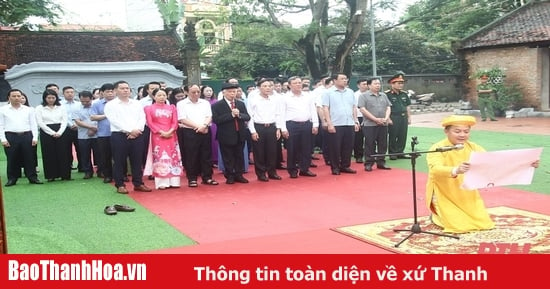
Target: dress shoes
123, 208
335, 172
393, 158
404, 157
230, 181
10, 183
110, 210
293, 175
368, 168
126, 179
151, 178
312, 165
275, 177
359, 161
307, 173
142, 188
122, 190
241, 179
107, 180
281, 167
348, 171
263, 179
87, 176
382, 167
35, 181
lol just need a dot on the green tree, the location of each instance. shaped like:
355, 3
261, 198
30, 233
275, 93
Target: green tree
16, 13
313, 39
398, 49
171, 11
446, 21
258, 50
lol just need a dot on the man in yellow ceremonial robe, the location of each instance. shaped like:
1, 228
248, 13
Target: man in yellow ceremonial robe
453, 208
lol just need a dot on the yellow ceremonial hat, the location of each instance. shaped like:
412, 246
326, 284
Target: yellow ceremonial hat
458, 120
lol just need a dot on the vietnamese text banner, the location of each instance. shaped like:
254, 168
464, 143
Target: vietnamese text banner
271, 271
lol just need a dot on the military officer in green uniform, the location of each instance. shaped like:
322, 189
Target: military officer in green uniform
400, 116
485, 99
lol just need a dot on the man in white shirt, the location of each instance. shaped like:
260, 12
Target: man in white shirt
72, 106
266, 117
301, 122
195, 114
127, 119
18, 133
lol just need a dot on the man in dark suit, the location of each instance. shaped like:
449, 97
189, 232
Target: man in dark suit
230, 115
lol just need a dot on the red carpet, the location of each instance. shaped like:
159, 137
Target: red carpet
295, 215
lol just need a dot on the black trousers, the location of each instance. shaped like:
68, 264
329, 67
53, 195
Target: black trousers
359, 143
340, 146
56, 153
104, 156
72, 135
123, 148
233, 159
198, 151
376, 142
298, 146
265, 149
20, 149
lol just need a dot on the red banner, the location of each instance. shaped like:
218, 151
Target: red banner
273, 271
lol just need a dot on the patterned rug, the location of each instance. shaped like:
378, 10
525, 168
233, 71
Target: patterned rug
516, 232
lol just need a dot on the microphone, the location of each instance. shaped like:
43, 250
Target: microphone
450, 148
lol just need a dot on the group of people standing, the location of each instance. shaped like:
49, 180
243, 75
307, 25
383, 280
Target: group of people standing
166, 133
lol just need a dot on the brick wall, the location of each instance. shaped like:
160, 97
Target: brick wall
522, 65
18, 47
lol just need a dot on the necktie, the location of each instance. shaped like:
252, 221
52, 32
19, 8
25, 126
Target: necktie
236, 121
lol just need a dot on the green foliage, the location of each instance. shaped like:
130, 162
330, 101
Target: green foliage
258, 49
17, 12
508, 96
171, 11
399, 49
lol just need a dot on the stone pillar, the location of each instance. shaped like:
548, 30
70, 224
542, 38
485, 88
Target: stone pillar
191, 50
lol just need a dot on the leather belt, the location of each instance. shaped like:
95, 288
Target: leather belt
19, 133
299, 122
265, 124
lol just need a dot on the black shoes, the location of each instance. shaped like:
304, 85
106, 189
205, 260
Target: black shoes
107, 180
383, 167
87, 176
241, 179
275, 177
335, 172
368, 167
293, 175
348, 171
281, 167
263, 179
307, 174
34, 181
10, 183
113, 210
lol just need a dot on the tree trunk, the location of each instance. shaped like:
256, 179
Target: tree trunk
358, 10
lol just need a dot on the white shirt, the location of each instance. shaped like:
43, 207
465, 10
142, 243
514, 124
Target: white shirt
264, 110
196, 112
299, 108
50, 115
19, 119
125, 116
146, 101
